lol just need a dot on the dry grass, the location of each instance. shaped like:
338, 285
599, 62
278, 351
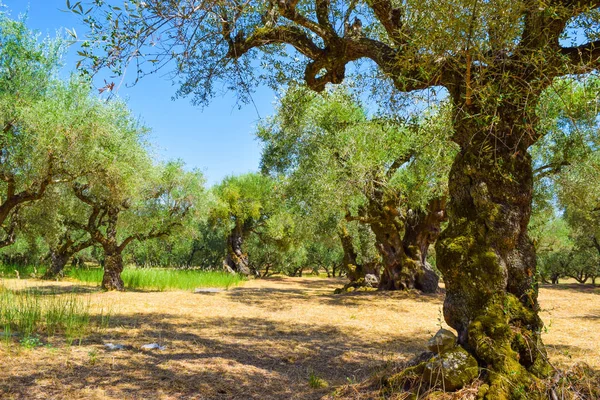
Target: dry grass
269, 339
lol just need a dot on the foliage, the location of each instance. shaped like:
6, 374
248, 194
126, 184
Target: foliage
336, 155
564, 223
52, 130
242, 200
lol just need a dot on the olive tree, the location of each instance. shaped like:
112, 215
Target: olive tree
48, 125
386, 174
243, 204
135, 201
494, 59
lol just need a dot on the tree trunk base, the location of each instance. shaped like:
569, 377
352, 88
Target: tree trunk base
113, 266
58, 262
411, 274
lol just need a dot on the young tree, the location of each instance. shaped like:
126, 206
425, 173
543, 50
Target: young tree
495, 59
375, 170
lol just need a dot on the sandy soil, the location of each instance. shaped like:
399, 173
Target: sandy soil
263, 340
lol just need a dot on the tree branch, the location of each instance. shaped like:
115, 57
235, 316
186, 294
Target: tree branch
150, 235
390, 17
549, 169
585, 58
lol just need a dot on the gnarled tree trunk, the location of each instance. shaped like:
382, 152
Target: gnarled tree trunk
404, 258
349, 261
236, 259
113, 267
357, 273
421, 230
488, 261
58, 260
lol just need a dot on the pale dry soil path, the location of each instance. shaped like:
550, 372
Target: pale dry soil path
259, 341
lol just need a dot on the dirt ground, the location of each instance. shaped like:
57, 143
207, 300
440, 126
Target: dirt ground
263, 340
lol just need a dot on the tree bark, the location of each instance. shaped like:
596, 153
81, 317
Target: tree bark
399, 270
236, 259
113, 267
422, 230
58, 260
349, 261
404, 257
488, 263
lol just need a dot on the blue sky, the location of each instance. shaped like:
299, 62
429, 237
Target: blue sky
219, 139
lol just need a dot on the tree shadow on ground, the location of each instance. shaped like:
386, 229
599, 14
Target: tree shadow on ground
218, 358
283, 298
575, 287
50, 290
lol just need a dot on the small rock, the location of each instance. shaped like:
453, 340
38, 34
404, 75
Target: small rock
153, 346
443, 340
451, 370
371, 281
207, 290
112, 346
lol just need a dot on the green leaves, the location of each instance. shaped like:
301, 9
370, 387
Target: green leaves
337, 157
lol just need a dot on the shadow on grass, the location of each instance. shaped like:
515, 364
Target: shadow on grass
50, 290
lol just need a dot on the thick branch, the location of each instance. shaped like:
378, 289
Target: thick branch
390, 18
291, 35
549, 169
584, 58
322, 7
150, 235
10, 231
398, 162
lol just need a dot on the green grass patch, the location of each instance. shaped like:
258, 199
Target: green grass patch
21, 271
29, 312
163, 279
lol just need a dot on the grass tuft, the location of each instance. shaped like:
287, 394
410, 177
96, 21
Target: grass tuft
315, 381
28, 313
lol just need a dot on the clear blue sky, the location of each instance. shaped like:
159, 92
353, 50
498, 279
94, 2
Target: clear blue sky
219, 139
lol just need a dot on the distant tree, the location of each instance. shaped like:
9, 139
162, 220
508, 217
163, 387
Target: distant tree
243, 204
566, 164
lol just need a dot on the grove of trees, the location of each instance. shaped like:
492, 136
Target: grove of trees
479, 164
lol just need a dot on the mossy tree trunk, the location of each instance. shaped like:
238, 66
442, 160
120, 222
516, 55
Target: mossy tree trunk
487, 258
399, 270
422, 228
402, 248
354, 271
113, 253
